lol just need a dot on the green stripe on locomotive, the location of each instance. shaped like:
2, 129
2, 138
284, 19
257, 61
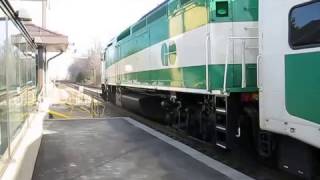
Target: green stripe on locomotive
302, 85
194, 77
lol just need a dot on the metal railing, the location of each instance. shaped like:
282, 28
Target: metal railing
243, 40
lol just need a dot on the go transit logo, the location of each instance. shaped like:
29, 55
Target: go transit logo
169, 54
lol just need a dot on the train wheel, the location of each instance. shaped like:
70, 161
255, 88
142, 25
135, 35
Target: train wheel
183, 119
207, 129
168, 118
188, 120
194, 122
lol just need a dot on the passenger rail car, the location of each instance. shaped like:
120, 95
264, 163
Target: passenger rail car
211, 68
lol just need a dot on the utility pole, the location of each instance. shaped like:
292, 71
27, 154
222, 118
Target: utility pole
44, 13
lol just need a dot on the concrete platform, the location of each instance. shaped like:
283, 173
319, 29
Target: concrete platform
120, 148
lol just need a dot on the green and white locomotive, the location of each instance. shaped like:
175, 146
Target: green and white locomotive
210, 67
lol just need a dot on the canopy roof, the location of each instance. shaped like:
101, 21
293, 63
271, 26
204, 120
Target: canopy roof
51, 41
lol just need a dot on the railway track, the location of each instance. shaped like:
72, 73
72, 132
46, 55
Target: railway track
92, 91
242, 159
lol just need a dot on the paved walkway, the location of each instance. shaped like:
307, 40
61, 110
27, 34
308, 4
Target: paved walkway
120, 148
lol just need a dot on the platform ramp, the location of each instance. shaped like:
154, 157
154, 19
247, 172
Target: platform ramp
120, 148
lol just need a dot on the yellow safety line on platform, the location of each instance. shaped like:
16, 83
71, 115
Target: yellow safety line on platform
54, 113
93, 108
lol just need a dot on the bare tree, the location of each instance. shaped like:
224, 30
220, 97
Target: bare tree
94, 57
78, 71
87, 70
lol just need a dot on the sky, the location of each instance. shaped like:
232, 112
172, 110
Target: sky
85, 22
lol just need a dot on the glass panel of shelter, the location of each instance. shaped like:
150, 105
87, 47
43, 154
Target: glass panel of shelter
17, 82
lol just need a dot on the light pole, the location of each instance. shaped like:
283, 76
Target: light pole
44, 13
44, 10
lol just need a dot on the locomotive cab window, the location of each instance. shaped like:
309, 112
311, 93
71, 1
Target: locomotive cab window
304, 26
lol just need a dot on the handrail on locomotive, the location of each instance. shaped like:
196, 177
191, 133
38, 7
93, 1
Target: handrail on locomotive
243, 59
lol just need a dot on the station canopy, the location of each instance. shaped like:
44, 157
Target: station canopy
51, 41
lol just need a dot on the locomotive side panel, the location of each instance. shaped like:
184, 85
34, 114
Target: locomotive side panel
184, 46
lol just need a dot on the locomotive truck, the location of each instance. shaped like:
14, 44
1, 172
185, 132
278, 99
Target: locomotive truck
226, 69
